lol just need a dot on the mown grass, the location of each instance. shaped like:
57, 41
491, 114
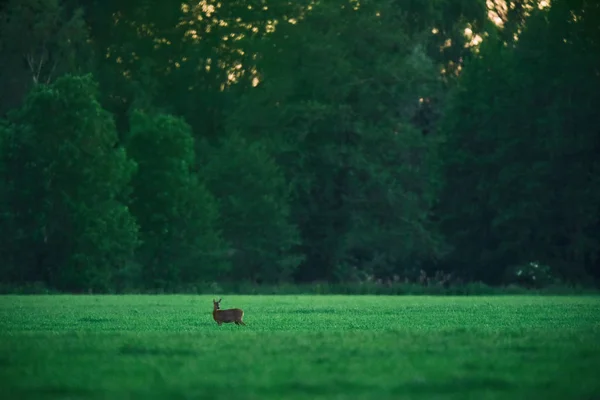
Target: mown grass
300, 347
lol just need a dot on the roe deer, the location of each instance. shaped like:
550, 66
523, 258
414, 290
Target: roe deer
227, 316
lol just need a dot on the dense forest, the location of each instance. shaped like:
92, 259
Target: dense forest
153, 144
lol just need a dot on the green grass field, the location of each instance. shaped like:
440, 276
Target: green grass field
300, 347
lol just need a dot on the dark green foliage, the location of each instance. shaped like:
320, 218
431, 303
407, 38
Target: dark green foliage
254, 206
338, 95
470, 131
40, 40
66, 180
178, 217
6, 265
337, 143
522, 149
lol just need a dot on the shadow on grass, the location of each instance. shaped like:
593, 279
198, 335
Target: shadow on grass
5, 361
459, 385
418, 388
134, 350
94, 320
524, 349
51, 392
332, 387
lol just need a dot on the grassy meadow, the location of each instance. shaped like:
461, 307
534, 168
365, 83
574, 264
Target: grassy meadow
300, 347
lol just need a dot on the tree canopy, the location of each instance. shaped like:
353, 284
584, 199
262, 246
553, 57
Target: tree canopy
158, 144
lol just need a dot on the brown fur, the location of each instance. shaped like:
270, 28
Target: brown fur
234, 315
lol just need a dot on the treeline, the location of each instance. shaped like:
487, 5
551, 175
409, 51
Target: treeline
152, 144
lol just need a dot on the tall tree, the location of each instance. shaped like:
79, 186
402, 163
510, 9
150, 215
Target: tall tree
254, 207
6, 264
178, 217
470, 127
40, 40
522, 143
338, 92
181, 56
67, 183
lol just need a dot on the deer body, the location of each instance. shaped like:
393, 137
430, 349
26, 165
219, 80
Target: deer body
234, 315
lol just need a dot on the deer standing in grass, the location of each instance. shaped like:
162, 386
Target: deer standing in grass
226, 316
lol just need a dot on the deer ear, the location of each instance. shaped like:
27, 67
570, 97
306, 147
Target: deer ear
220, 300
